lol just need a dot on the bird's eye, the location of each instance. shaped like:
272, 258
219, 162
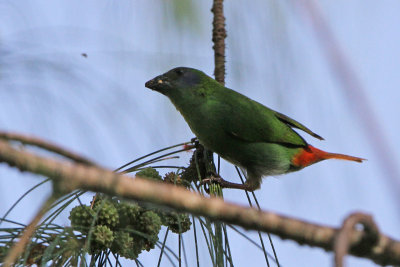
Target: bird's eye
179, 72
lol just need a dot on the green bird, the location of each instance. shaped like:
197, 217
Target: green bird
242, 131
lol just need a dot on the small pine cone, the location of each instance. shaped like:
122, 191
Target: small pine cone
127, 246
81, 218
197, 165
128, 213
149, 173
102, 238
150, 223
177, 222
173, 178
107, 213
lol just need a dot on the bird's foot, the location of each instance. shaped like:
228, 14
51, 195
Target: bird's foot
214, 178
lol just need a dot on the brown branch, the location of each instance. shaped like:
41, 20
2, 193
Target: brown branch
342, 240
18, 248
34, 141
218, 37
69, 176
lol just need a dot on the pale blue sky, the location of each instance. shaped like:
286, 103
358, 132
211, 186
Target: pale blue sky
98, 106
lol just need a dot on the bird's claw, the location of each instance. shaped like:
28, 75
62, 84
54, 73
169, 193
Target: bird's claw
212, 180
195, 141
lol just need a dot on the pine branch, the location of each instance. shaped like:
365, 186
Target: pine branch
34, 141
69, 176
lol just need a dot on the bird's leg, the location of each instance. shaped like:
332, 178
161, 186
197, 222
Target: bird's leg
215, 178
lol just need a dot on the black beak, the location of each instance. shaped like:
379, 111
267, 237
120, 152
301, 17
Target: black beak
155, 84
150, 84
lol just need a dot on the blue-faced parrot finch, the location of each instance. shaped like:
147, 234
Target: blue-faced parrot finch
244, 132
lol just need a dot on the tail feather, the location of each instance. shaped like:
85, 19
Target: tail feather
311, 155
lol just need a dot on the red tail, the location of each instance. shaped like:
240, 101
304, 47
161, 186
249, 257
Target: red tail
311, 155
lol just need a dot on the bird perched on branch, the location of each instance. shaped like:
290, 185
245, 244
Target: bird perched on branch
244, 132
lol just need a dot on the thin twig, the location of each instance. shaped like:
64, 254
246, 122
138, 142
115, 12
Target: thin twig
218, 37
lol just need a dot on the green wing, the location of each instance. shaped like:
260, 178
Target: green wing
250, 121
291, 122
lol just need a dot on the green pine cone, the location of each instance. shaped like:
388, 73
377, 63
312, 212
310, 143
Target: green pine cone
177, 222
150, 226
107, 213
102, 238
198, 165
150, 223
149, 173
128, 214
173, 178
81, 218
127, 246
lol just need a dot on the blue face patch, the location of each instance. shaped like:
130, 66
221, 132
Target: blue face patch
189, 79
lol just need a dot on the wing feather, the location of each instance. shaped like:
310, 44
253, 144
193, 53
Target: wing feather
250, 121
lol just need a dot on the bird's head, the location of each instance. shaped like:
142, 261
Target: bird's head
176, 80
